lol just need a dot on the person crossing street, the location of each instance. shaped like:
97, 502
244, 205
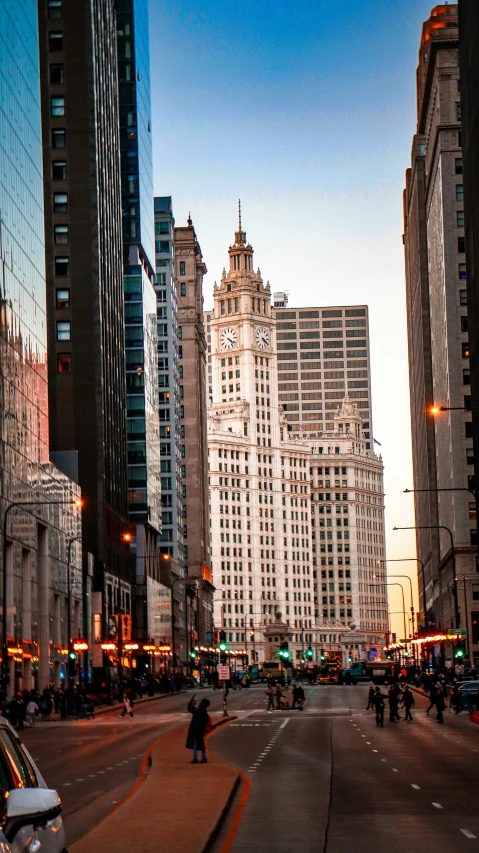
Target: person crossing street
408, 702
378, 704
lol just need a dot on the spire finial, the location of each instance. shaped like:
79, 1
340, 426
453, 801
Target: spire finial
189, 220
239, 214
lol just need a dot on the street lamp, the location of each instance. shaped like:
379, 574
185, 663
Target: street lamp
453, 558
71, 502
406, 577
396, 583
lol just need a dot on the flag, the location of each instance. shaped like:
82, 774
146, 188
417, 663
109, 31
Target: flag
377, 442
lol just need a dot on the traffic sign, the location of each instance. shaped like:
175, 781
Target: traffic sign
224, 673
459, 632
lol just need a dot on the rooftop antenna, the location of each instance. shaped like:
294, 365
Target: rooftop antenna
239, 214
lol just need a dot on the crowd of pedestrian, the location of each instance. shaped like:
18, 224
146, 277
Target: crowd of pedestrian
278, 696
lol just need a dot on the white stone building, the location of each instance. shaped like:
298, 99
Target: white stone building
269, 505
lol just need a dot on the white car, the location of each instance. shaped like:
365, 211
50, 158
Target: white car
30, 813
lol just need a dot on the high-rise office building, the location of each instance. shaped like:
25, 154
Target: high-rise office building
86, 339
189, 271
297, 522
438, 331
144, 487
47, 528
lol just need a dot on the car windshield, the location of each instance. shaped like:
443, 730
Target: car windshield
16, 771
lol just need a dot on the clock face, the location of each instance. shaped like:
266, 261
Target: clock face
228, 339
262, 338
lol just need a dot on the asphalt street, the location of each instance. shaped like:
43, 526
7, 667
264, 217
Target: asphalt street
329, 780
95, 763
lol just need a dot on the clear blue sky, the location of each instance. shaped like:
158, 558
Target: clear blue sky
306, 111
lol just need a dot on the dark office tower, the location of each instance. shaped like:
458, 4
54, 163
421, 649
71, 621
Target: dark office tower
469, 62
438, 333
84, 276
144, 496
38, 535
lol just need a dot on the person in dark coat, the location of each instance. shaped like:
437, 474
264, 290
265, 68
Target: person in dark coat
370, 698
432, 698
393, 705
440, 705
378, 704
408, 702
198, 727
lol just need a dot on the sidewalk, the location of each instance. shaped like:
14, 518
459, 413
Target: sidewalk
105, 709
178, 806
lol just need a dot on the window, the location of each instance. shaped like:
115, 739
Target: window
55, 42
54, 9
466, 377
164, 246
62, 266
59, 170
63, 331
458, 165
463, 297
60, 202
59, 138
183, 288
460, 219
464, 324
57, 106
164, 227
64, 362
458, 112
182, 267
461, 246
60, 234
462, 271
465, 350
57, 74
63, 298
459, 192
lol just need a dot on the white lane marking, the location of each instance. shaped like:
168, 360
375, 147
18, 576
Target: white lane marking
395, 770
80, 779
285, 722
91, 775
416, 787
67, 784
437, 805
468, 833
374, 750
384, 759
101, 771
368, 742
110, 768
363, 735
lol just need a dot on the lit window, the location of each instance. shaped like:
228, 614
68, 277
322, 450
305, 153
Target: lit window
462, 271
59, 170
58, 106
60, 202
62, 266
64, 362
59, 138
465, 350
63, 298
63, 331
61, 235
57, 74
55, 42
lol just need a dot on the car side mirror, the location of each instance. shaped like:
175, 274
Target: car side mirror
30, 806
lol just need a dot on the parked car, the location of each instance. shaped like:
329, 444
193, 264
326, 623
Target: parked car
30, 812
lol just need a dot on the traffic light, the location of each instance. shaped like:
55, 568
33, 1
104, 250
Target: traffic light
193, 656
284, 652
460, 652
72, 655
309, 654
222, 644
322, 654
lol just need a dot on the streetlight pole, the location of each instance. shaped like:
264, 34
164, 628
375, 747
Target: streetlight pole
70, 664
16, 505
453, 558
406, 577
396, 583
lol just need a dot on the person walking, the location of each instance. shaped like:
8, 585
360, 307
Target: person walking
32, 710
393, 705
199, 725
279, 696
408, 702
432, 698
370, 699
301, 698
440, 705
128, 706
295, 696
378, 704
270, 695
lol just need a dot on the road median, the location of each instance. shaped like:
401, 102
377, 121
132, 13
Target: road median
174, 806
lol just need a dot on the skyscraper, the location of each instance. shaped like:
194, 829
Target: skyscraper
81, 161
438, 330
38, 589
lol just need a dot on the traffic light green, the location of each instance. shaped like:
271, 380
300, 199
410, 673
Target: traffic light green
193, 654
73, 655
222, 644
459, 654
284, 651
309, 654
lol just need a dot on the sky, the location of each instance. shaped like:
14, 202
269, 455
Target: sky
305, 110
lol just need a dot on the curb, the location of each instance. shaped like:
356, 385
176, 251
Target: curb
224, 814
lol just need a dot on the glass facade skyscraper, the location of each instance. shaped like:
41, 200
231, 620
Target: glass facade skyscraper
36, 536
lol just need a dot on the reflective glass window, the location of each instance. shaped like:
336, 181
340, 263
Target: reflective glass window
55, 42
59, 137
60, 202
57, 74
64, 362
58, 106
63, 298
182, 268
54, 9
61, 235
63, 331
59, 170
62, 266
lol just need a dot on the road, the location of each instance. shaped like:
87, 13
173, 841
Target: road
329, 781
95, 763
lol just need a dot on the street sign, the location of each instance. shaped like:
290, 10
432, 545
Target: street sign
209, 638
459, 632
224, 673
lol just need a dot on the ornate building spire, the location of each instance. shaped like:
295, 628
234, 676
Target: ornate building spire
239, 214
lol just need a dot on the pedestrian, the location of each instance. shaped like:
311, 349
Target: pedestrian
199, 726
370, 699
440, 705
301, 697
456, 699
270, 695
128, 705
432, 697
279, 696
295, 696
393, 705
408, 701
378, 703
32, 710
